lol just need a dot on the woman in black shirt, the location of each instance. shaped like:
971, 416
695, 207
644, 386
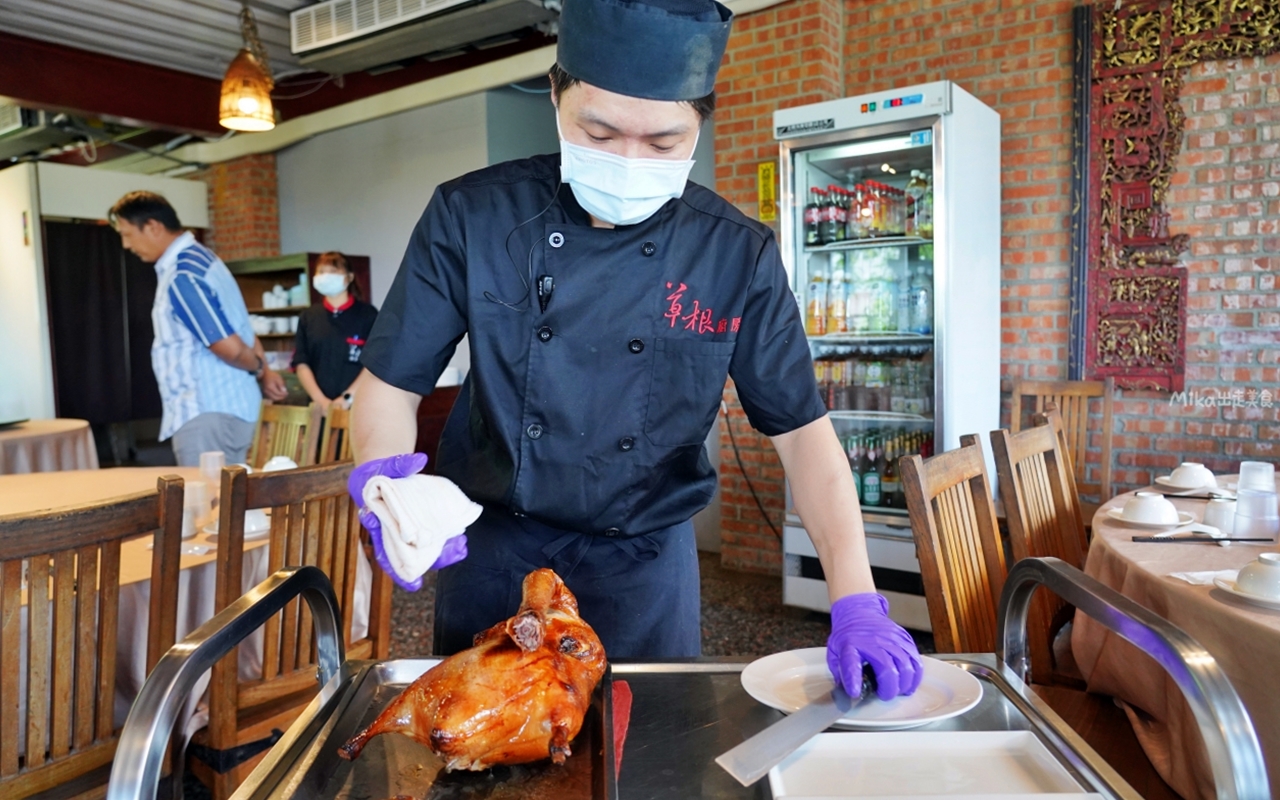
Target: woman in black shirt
332, 334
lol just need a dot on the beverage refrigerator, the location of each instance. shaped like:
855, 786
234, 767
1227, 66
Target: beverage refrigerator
889, 219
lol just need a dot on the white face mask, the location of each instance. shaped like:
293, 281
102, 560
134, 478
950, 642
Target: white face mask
330, 284
620, 190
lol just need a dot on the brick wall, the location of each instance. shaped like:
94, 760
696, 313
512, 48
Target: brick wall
243, 207
1015, 55
1226, 195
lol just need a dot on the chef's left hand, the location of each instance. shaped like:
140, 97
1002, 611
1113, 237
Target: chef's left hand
861, 631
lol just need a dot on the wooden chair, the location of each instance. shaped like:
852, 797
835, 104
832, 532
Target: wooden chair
285, 431
72, 561
1080, 510
335, 442
1072, 401
1039, 510
958, 545
313, 521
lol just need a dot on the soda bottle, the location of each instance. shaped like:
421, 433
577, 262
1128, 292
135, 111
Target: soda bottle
815, 319
835, 386
920, 303
813, 217
840, 212
837, 296
924, 208
871, 473
827, 228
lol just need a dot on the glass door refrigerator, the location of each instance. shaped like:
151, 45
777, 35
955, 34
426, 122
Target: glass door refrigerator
890, 230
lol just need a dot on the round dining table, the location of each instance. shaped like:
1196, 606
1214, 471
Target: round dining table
1243, 638
47, 445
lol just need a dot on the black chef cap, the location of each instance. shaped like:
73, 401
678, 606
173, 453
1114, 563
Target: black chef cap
655, 49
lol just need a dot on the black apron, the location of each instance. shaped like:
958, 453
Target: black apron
640, 594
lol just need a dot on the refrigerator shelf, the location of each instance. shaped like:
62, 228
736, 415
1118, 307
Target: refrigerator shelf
870, 344
862, 244
878, 416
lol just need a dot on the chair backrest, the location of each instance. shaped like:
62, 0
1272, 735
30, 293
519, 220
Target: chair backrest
313, 522
335, 442
285, 431
70, 558
1052, 418
1042, 522
1072, 400
958, 545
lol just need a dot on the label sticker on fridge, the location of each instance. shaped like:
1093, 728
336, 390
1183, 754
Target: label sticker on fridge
921, 138
765, 195
813, 126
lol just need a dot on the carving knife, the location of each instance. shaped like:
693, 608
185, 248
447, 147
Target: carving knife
752, 760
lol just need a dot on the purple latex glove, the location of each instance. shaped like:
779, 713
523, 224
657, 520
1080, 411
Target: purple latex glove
861, 631
397, 467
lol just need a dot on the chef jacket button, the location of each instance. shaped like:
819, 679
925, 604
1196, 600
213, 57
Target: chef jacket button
534, 431
556, 239
626, 443
544, 334
635, 345
648, 248
612, 532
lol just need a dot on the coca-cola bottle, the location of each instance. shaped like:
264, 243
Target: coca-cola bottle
813, 217
830, 213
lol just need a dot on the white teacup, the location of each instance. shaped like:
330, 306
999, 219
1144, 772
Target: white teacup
1221, 514
1261, 577
1150, 508
1192, 475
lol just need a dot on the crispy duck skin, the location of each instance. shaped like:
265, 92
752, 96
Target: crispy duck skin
517, 695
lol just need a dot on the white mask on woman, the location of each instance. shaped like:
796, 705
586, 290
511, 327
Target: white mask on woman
330, 284
620, 190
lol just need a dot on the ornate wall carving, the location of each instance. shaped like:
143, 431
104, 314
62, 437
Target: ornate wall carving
1128, 290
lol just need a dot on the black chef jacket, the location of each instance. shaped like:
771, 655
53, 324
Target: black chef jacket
330, 342
591, 415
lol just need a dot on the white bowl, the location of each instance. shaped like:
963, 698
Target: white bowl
1192, 476
1261, 577
1149, 508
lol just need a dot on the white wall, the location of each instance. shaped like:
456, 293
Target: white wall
84, 193
26, 390
362, 189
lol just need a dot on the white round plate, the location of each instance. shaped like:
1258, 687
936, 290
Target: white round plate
1184, 518
792, 679
1167, 481
1258, 600
249, 535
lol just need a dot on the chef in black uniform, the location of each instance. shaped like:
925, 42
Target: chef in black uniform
606, 300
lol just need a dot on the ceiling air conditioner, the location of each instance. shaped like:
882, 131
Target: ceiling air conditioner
341, 36
26, 131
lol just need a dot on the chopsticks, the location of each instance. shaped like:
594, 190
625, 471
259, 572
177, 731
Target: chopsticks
1198, 539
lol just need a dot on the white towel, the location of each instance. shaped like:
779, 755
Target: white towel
1207, 577
418, 515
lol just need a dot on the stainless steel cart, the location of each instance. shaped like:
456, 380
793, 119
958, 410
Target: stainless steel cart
684, 714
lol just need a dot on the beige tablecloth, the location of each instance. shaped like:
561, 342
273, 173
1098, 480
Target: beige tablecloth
47, 445
1243, 638
41, 491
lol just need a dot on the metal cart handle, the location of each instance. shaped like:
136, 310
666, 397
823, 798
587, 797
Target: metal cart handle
135, 772
1234, 755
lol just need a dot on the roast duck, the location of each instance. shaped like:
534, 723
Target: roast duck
517, 695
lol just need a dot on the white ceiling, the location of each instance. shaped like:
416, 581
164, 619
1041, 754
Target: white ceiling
197, 36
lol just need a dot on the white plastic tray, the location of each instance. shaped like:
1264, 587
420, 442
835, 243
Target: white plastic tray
923, 764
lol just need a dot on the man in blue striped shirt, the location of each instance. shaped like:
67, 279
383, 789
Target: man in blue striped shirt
207, 361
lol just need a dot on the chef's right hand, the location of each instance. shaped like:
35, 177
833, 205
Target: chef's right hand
401, 466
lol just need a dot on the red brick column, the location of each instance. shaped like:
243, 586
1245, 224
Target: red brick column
243, 207
787, 55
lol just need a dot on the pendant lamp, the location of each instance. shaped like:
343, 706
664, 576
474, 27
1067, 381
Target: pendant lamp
246, 88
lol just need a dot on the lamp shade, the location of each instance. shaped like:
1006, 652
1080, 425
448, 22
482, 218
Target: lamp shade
246, 96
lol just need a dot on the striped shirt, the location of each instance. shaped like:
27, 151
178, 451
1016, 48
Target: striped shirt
198, 303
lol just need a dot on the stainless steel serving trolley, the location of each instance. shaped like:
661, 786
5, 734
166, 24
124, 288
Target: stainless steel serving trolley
684, 714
